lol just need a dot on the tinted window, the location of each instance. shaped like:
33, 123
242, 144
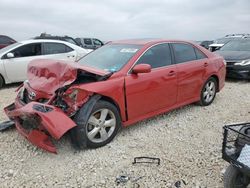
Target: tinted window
28, 50
5, 40
97, 42
87, 41
199, 54
183, 52
157, 56
56, 48
70, 41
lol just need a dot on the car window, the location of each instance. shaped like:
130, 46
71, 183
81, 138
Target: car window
87, 41
183, 52
199, 54
56, 48
70, 41
156, 56
5, 40
27, 50
97, 42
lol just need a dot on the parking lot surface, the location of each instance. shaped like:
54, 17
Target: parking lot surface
187, 140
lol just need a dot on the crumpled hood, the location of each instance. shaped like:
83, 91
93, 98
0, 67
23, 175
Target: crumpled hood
49, 75
234, 55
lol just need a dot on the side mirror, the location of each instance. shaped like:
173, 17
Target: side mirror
10, 55
141, 68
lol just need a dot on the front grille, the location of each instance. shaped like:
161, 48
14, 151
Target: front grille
230, 63
26, 98
42, 108
30, 123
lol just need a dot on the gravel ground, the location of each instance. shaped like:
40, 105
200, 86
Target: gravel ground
187, 140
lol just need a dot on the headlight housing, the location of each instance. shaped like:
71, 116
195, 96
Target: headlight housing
224, 61
243, 63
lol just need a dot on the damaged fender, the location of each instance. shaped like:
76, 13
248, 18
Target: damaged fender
81, 118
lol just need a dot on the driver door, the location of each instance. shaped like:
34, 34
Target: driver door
149, 92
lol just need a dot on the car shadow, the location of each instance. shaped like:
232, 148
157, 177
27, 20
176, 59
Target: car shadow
234, 80
13, 85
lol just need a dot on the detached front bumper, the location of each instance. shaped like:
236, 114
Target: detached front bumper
37, 121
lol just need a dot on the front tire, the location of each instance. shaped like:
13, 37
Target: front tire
102, 126
234, 178
208, 92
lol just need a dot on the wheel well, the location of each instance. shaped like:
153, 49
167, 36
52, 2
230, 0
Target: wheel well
2, 79
112, 102
217, 80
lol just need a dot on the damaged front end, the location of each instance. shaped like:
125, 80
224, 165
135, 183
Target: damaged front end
36, 121
44, 108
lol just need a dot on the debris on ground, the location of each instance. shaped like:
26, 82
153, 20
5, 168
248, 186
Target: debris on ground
146, 160
121, 179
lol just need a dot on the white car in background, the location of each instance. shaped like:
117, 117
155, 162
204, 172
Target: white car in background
15, 58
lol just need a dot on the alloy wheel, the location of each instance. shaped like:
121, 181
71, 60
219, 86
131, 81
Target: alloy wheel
209, 91
101, 125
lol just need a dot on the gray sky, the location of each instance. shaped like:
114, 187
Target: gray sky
122, 19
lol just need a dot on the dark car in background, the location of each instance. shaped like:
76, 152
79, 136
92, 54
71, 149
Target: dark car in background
218, 43
90, 43
6, 41
237, 55
205, 43
63, 38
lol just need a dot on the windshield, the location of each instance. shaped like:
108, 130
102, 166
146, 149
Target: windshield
110, 57
222, 40
5, 49
237, 45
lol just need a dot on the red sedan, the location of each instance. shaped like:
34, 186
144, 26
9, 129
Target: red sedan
6, 41
116, 85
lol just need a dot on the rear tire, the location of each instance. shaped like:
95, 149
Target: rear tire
1, 82
234, 177
208, 92
102, 126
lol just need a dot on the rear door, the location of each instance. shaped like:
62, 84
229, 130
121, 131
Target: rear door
191, 67
149, 92
60, 51
16, 67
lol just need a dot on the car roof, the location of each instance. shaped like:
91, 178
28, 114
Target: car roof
42, 40
145, 41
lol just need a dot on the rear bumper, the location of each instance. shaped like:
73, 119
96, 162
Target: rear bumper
37, 121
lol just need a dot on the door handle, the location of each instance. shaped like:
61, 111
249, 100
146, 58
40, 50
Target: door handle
205, 64
171, 73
